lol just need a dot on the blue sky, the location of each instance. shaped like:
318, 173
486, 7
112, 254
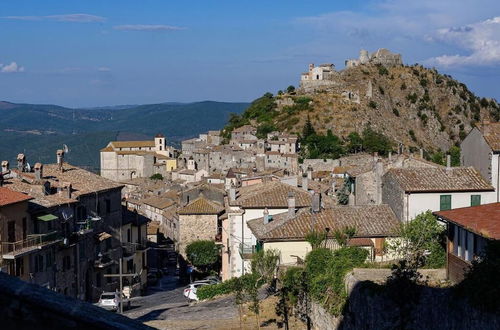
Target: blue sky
84, 53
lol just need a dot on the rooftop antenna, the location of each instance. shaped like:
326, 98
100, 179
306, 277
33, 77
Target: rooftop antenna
65, 149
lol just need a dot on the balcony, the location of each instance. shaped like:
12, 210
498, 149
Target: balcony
247, 251
130, 248
12, 250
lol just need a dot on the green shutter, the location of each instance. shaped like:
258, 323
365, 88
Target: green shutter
475, 200
445, 202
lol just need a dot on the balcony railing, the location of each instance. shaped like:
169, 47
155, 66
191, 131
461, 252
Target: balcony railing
131, 248
247, 251
30, 243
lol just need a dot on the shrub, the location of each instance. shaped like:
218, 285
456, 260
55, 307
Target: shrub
382, 70
226, 287
317, 260
396, 112
423, 82
372, 104
403, 86
412, 97
156, 176
412, 135
381, 90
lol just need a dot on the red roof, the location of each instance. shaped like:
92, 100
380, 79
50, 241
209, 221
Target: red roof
483, 220
8, 196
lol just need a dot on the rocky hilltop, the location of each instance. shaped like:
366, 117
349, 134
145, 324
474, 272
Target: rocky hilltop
413, 106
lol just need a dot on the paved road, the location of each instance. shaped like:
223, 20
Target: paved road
166, 294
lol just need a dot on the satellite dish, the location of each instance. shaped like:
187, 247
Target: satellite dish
95, 216
65, 149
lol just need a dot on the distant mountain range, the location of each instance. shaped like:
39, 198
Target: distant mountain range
39, 130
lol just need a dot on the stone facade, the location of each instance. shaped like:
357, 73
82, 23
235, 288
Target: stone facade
382, 56
193, 227
125, 160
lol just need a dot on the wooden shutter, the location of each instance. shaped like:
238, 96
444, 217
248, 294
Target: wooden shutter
475, 200
445, 202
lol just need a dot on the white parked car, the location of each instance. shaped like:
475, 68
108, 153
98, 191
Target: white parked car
190, 290
112, 301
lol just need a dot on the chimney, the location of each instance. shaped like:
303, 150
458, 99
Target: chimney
309, 172
486, 127
21, 162
421, 153
316, 202
448, 162
5, 165
38, 171
266, 216
60, 159
46, 188
311, 66
68, 188
232, 193
291, 205
305, 183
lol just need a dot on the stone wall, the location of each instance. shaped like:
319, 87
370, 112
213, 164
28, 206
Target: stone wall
371, 308
196, 227
393, 195
28, 306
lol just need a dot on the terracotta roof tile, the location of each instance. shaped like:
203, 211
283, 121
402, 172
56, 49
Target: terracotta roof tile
158, 202
273, 194
491, 133
483, 220
369, 221
202, 205
8, 197
428, 179
132, 144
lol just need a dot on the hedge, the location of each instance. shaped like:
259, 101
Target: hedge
229, 286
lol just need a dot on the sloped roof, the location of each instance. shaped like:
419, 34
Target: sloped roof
8, 197
491, 133
158, 202
273, 194
483, 220
245, 128
369, 221
428, 179
201, 205
132, 144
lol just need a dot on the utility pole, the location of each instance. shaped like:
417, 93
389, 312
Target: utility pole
121, 276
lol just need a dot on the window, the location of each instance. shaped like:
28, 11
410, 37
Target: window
445, 202
129, 235
475, 200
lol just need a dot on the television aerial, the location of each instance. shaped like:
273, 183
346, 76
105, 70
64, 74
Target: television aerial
65, 148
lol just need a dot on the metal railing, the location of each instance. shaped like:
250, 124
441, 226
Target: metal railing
31, 241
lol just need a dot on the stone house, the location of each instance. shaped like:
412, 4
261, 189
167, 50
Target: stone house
199, 220
247, 203
124, 160
468, 230
154, 207
411, 191
481, 149
287, 232
134, 238
79, 213
246, 132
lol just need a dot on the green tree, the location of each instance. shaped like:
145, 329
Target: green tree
203, 254
290, 89
315, 238
263, 129
376, 142
455, 155
354, 142
343, 235
420, 242
308, 129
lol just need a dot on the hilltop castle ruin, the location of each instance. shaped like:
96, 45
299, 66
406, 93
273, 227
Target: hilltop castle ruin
325, 75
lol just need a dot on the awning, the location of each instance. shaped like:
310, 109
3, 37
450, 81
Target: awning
47, 217
102, 236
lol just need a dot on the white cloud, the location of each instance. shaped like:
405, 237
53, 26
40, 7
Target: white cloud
480, 40
103, 69
147, 27
79, 18
11, 68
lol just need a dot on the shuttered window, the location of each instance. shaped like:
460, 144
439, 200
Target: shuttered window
475, 200
445, 202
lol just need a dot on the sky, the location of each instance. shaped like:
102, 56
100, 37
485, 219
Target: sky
85, 53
